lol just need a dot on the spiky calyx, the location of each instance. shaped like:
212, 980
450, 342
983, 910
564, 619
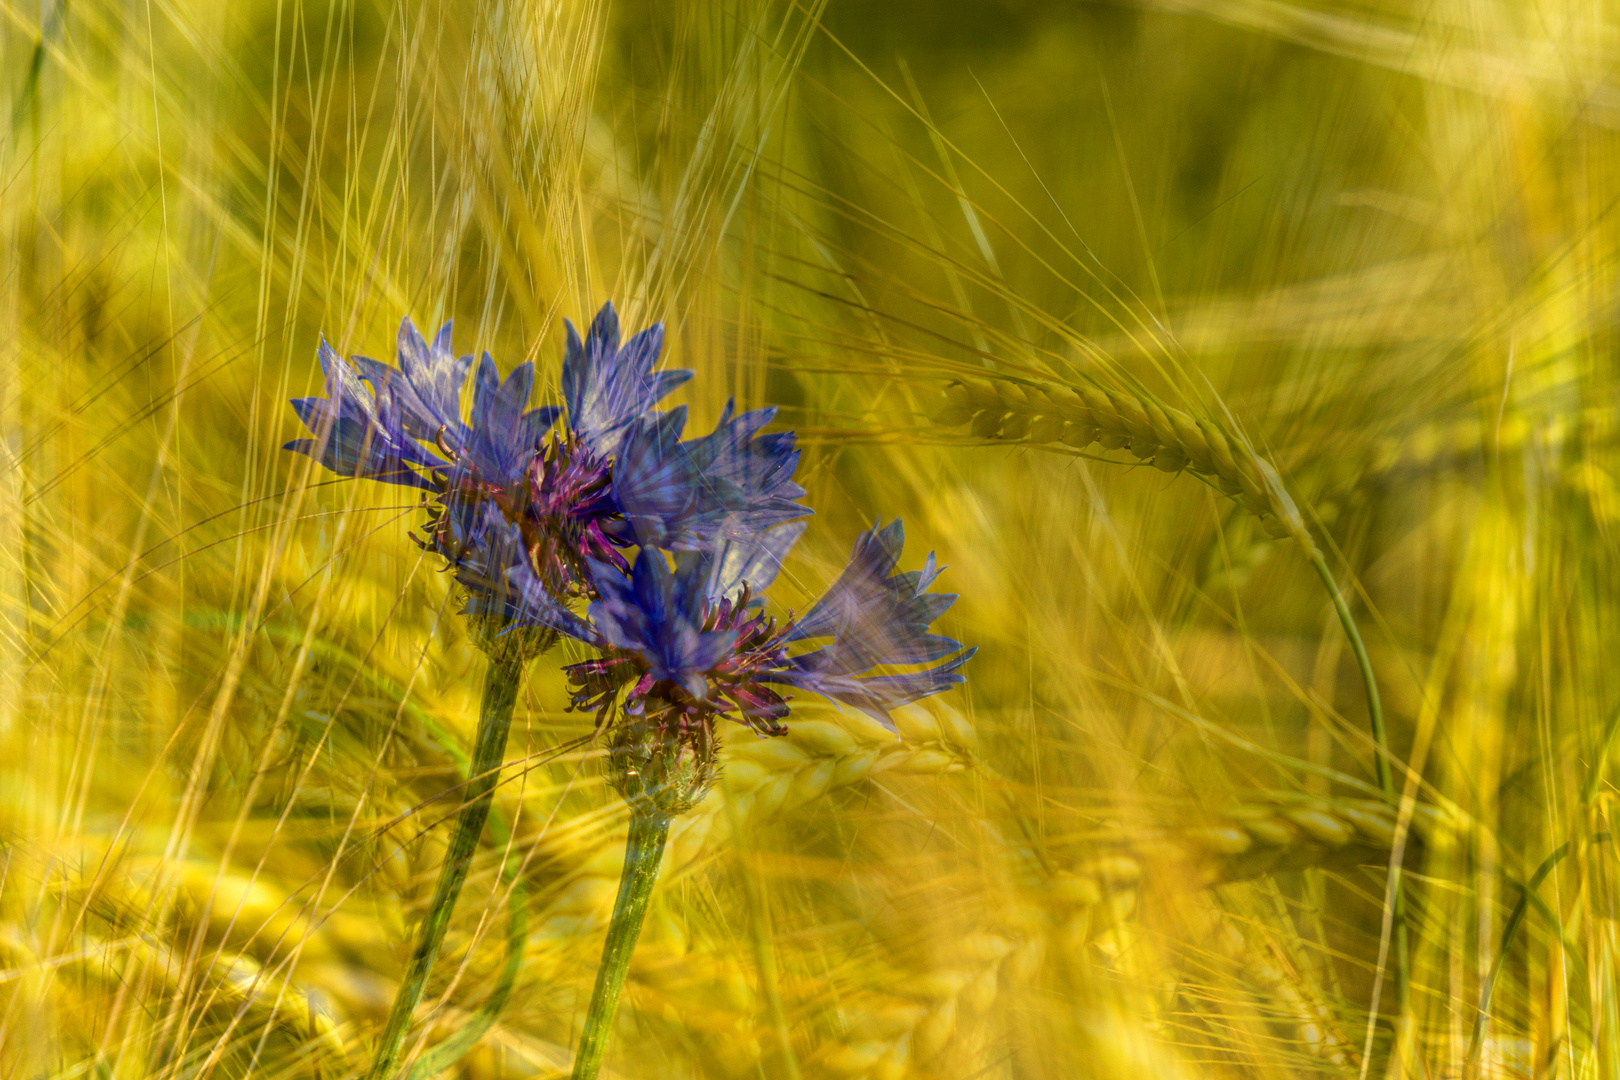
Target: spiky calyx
1164, 436
660, 763
506, 644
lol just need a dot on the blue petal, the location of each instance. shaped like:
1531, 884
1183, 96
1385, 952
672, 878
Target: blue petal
754, 562
495, 572
434, 376
875, 695
653, 482
861, 585
650, 582
875, 618
729, 484
658, 613
359, 433
504, 438
607, 388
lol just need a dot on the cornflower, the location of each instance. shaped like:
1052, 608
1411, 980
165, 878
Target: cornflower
510, 489
682, 646
613, 474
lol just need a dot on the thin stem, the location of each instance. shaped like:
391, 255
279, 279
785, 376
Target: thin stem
1381, 767
1375, 707
489, 750
642, 853
1594, 779
1527, 897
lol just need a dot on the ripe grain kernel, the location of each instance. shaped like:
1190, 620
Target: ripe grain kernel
1222, 839
957, 731
743, 806
1272, 831
987, 425
1170, 460
1133, 416
865, 729
854, 768
917, 724
772, 794
821, 737
1103, 412
1046, 428
928, 761
742, 775
1321, 826
1081, 434
778, 755
1375, 823
1113, 440
812, 783
1163, 430
1142, 447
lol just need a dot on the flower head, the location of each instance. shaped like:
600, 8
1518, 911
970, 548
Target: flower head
611, 475
691, 640
683, 640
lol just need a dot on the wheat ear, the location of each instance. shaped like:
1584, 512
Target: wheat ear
1174, 441
1159, 434
898, 1029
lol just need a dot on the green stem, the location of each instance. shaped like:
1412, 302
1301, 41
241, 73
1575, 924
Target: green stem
642, 853
1381, 766
1594, 779
1375, 707
489, 750
1527, 896
451, 1050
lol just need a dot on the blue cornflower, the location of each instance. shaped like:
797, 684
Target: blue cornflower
612, 474
359, 434
682, 645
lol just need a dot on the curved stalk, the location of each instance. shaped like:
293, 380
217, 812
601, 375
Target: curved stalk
1382, 768
643, 851
489, 750
1375, 706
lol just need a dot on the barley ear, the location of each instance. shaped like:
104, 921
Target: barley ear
1168, 438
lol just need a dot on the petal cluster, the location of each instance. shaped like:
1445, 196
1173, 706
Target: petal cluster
602, 522
613, 474
608, 388
359, 433
683, 634
874, 616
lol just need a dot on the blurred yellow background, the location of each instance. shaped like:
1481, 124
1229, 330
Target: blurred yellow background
1374, 241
